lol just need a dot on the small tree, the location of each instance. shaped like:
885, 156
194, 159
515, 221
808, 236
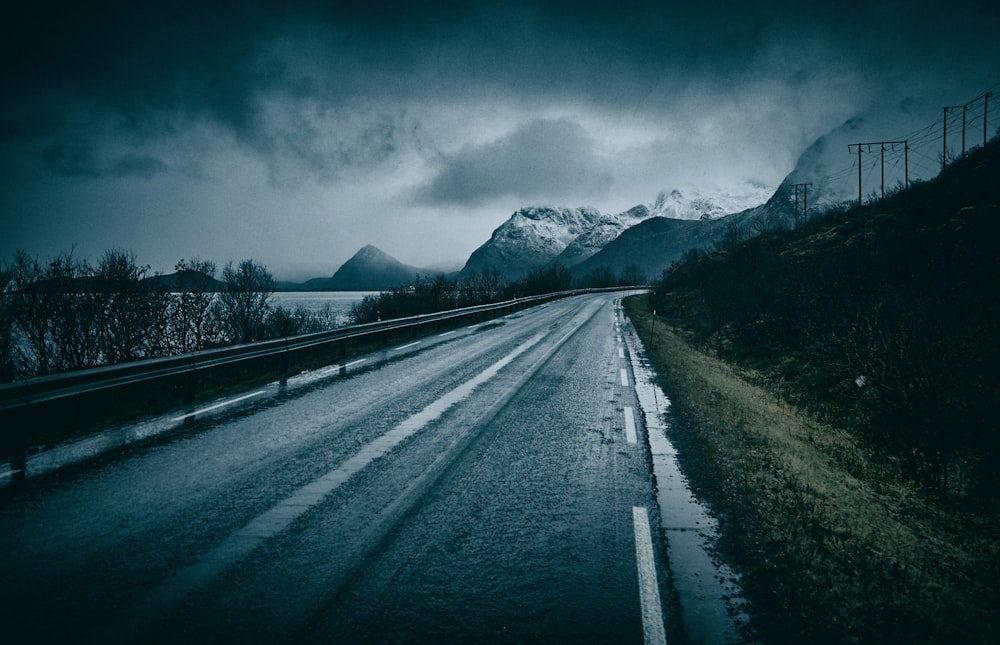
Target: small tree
130, 310
192, 326
54, 313
632, 276
246, 302
7, 328
598, 278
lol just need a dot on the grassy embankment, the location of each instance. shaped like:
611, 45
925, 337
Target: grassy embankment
834, 544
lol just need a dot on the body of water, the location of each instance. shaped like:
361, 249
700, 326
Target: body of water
338, 303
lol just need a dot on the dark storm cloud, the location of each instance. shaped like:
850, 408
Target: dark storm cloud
308, 112
151, 65
543, 159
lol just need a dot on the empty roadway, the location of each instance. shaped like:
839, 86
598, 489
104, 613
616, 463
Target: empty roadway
480, 485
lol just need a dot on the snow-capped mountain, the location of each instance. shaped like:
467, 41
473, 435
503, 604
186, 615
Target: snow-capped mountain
534, 237
709, 203
530, 238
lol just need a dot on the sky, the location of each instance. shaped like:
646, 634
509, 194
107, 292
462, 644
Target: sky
294, 133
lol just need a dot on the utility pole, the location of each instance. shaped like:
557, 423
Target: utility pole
805, 209
964, 109
986, 111
944, 153
883, 169
882, 145
944, 156
859, 167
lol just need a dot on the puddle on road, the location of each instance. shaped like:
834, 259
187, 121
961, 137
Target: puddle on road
710, 595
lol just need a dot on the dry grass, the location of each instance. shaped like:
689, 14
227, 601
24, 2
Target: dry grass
833, 545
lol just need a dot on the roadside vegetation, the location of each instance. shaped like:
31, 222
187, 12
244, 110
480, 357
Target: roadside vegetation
68, 315
431, 294
837, 389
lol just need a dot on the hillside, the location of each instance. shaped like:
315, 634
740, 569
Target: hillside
836, 392
370, 269
538, 237
900, 296
654, 244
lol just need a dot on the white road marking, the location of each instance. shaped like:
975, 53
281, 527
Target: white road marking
220, 405
629, 424
447, 333
353, 363
624, 375
621, 352
241, 542
649, 588
399, 349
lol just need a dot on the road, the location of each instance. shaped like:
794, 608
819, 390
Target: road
488, 484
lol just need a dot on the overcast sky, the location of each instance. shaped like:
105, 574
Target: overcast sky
296, 132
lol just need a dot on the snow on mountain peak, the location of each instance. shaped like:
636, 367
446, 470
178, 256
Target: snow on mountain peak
535, 236
695, 202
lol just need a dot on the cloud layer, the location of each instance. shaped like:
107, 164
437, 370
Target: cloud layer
335, 118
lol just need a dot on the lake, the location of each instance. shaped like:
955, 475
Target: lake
339, 302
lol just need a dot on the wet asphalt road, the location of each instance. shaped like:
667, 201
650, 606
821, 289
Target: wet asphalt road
476, 486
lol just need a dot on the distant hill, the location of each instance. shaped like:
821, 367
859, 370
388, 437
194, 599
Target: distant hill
187, 280
370, 269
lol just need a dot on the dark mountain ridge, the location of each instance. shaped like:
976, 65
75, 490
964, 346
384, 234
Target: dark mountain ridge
370, 269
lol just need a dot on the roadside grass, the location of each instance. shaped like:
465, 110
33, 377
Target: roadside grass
833, 544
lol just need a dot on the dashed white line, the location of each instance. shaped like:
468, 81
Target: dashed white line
219, 405
630, 424
621, 352
399, 349
240, 543
649, 588
447, 333
624, 375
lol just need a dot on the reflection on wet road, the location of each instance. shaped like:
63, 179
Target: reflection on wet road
485, 484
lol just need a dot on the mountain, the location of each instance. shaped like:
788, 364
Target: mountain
830, 168
371, 269
700, 203
536, 237
655, 243
531, 238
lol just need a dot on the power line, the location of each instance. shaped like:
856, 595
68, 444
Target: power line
882, 145
920, 141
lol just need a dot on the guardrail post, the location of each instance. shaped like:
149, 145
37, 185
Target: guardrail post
191, 382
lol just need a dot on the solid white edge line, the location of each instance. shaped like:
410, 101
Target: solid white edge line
649, 589
219, 405
630, 425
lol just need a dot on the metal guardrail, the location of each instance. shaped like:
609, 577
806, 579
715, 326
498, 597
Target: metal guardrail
20, 394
